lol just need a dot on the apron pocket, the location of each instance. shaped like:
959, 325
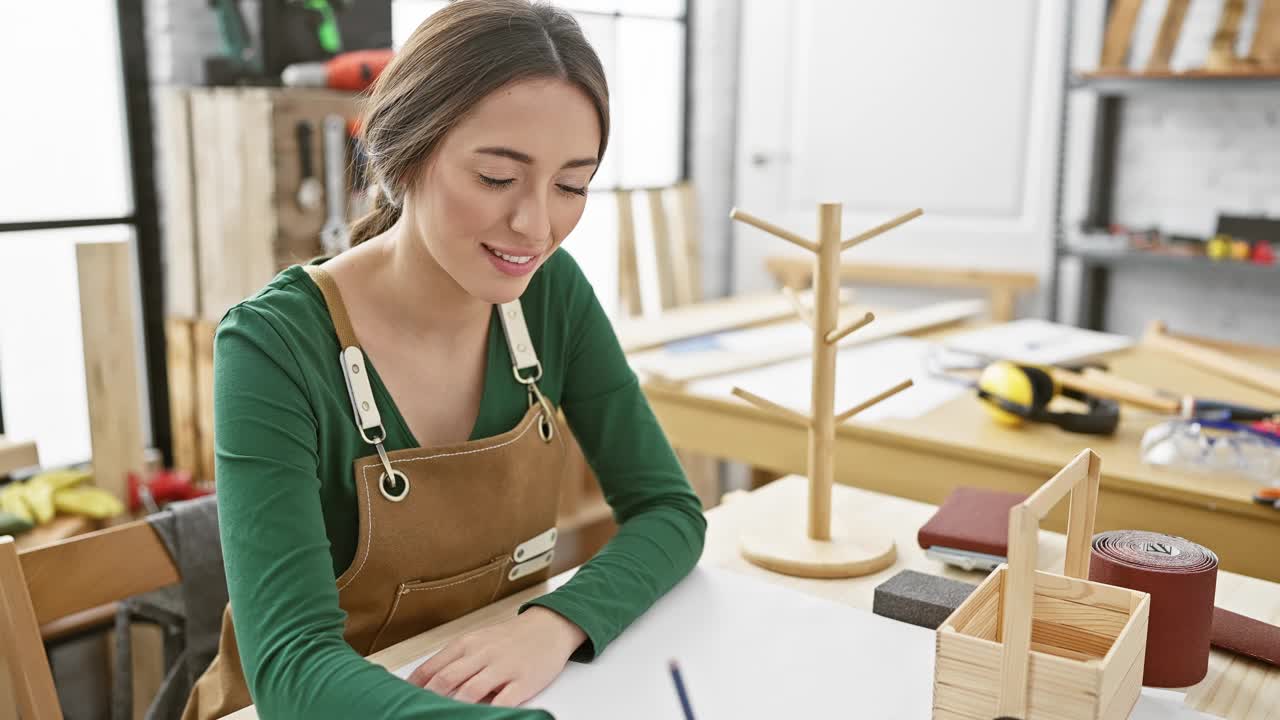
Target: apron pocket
420, 605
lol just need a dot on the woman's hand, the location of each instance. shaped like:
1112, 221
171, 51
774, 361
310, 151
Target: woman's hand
509, 662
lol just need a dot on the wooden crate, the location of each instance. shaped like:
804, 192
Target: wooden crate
1034, 644
230, 166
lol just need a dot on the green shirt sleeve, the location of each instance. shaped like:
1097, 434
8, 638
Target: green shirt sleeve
661, 525
280, 574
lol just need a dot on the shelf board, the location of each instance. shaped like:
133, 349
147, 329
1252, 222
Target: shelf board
1128, 82
1138, 258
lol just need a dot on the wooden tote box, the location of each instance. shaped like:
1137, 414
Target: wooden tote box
1030, 644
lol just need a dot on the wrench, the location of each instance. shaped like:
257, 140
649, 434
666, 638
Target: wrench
335, 236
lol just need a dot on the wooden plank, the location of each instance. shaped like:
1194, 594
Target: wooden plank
181, 274
697, 366
1130, 645
628, 267
210, 156
1265, 49
102, 567
181, 358
17, 454
704, 318
690, 241
665, 259
58, 529
909, 275
111, 342
204, 333
257, 202
1115, 47
1015, 629
1167, 39
1222, 51
20, 641
1213, 360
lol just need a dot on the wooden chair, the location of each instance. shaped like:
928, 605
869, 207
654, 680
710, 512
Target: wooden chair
673, 226
63, 583
1002, 287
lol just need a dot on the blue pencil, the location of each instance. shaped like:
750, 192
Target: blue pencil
684, 696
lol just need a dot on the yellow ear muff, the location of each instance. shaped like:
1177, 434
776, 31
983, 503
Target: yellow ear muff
1005, 380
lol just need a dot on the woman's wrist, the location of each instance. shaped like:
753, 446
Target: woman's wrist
560, 626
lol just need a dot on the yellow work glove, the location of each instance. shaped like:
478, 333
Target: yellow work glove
13, 500
88, 501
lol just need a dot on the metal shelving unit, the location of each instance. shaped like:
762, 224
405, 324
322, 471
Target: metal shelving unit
1112, 88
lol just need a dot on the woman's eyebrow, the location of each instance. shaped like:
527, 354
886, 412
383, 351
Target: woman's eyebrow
523, 158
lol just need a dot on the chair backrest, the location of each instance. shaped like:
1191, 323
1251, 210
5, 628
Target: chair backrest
48, 583
1001, 286
673, 225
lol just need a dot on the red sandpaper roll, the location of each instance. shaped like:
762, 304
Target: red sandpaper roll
1180, 576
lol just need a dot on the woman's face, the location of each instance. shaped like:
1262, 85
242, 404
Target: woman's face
507, 184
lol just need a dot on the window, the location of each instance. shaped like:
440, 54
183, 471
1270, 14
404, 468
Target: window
66, 179
641, 44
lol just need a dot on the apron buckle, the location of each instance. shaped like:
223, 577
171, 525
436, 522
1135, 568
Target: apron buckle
546, 426
393, 484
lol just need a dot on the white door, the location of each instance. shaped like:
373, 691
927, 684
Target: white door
886, 106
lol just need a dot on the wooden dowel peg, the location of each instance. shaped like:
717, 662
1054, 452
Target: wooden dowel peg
769, 227
803, 312
772, 407
836, 336
880, 229
872, 401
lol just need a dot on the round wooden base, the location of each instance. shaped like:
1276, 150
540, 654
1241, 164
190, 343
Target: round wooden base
786, 548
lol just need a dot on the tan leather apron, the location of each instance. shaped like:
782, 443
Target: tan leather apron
443, 531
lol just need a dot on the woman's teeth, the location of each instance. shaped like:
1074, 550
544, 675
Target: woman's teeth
517, 259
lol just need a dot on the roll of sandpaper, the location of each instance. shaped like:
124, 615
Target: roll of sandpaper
1181, 577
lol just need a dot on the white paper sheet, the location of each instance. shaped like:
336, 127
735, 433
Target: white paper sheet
861, 372
1037, 341
751, 649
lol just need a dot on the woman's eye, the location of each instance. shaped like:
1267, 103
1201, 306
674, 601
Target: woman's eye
580, 191
497, 183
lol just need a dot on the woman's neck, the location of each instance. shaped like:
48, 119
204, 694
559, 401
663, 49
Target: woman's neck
422, 298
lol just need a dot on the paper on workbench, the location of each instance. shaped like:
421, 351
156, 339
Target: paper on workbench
751, 649
1037, 341
861, 372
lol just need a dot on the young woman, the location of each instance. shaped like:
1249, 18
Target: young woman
388, 454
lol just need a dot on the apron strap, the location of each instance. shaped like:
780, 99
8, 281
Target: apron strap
337, 309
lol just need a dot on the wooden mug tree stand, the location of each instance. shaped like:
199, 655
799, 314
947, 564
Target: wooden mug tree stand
822, 549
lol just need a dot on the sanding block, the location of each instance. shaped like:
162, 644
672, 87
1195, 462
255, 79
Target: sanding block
919, 599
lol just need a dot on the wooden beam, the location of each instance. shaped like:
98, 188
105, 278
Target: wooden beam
668, 293
1170, 28
1212, 360
180, 352
772, 229
1265, 50
1115, 47
111, 365
1222, 52
28, 665
910, 275
628, 268
111, 564
689, 279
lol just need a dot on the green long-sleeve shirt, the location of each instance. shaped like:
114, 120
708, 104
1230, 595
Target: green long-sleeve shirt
285, 443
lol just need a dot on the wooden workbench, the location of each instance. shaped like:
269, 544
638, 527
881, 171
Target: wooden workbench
957, 444
1234, 688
